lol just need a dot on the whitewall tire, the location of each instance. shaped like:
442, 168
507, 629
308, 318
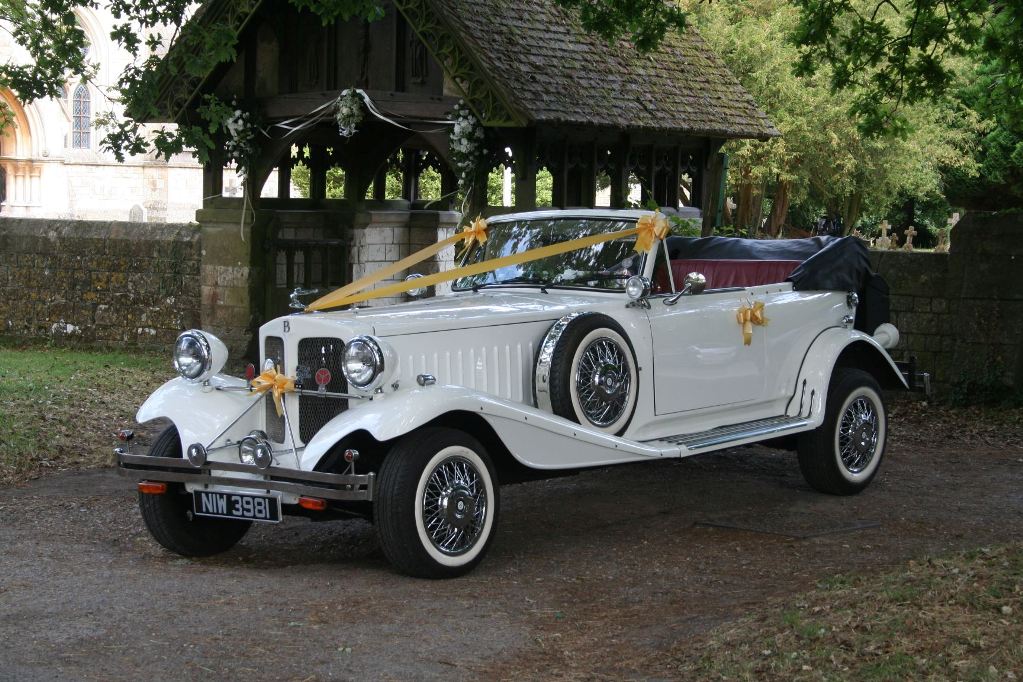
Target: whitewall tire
437, 503
594, 378
843, 454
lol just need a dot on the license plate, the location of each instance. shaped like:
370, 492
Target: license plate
264, 508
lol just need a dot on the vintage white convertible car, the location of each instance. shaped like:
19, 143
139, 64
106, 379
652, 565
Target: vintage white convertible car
411, 414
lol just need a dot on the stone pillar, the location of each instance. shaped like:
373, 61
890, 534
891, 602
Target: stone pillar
381, 237
430, 227
231, 276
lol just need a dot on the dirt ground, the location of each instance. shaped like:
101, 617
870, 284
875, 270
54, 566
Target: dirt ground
590, 576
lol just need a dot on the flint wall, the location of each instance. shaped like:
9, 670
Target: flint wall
100, 283
961, 313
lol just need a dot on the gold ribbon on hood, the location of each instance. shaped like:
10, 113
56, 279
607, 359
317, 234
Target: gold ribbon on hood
749, 315
272, 380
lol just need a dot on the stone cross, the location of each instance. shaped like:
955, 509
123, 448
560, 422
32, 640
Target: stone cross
942, 246
884, 242
910, 233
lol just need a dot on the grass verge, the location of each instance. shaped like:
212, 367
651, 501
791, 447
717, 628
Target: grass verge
60, 407
954, 618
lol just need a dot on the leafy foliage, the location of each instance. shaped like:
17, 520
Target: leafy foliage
56, 44
824, 160
644, 22
898, 52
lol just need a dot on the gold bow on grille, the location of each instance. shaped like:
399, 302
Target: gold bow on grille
749, 315
272, 380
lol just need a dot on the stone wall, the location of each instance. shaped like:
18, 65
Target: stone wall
104, 283
920, 309
961, 313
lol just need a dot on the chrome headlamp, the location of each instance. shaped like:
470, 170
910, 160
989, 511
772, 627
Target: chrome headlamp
255, 449
198, 355
363, 363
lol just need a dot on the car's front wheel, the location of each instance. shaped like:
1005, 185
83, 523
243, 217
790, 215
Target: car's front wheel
436, 503
170, 519
843, 454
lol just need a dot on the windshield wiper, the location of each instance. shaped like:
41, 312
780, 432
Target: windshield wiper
590, 276
522, 279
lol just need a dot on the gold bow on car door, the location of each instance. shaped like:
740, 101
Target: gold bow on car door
749, 315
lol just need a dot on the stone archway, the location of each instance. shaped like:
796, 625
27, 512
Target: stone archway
21, 174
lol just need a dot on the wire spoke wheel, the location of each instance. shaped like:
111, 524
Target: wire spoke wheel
603, 381
843, 454
437, 503
454, 506
858, 435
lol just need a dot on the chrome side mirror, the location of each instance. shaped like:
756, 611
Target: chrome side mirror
694, 283
415, 293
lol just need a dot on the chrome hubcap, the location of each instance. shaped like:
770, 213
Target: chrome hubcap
454, 506
858, 434
602, 381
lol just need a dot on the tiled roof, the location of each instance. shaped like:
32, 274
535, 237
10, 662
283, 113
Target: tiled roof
551, 69
539, 61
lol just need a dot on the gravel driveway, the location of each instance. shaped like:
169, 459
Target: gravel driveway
585, 572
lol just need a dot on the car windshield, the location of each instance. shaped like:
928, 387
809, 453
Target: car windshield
602, 266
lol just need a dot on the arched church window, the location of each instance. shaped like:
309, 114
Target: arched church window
81, 118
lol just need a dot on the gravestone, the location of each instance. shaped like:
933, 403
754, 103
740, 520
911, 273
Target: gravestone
884, 242
910, 233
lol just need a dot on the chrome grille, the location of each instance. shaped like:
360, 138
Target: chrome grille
314, 411
273, 348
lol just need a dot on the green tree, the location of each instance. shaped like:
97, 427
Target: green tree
824, 162
891, 53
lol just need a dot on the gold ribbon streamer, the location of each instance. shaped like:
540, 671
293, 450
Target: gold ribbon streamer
749, 315
272, 380
354, 292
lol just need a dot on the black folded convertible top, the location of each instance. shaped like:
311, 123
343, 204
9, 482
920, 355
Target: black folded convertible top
828, 263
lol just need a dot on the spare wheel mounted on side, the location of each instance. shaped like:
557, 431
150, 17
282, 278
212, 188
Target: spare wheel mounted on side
586, 371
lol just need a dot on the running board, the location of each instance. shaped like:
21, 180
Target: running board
722, 435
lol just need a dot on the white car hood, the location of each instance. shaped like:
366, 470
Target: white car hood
467, 310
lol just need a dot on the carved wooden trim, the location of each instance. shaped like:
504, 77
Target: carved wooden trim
176, 89
479, 93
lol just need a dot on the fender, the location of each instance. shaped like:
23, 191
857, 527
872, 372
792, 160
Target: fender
811, 387
201, 412
537, 439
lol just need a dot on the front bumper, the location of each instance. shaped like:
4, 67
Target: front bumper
340, 487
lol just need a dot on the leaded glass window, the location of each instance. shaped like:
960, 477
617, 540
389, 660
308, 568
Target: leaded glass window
81, 118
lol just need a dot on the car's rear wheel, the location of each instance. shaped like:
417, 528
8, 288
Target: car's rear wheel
593, 375
171, 521
842, 455
436, 503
